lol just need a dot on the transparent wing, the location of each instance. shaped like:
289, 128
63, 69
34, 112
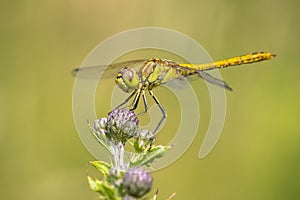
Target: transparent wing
179, 83
94, 71
213, 80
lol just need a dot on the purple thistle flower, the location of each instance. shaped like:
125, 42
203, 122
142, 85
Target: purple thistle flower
119, 126
137, 182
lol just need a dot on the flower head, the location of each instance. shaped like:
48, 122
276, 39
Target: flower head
144, 139
137, 182
119, 126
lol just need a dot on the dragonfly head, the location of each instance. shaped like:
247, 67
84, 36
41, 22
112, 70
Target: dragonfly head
127, 79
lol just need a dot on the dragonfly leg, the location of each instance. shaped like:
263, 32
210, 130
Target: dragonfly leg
164, 114
126, 100
145, 103
136, 99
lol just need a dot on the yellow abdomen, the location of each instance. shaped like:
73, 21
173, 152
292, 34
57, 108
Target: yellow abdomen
239, 60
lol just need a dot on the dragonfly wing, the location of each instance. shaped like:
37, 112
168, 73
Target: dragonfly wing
213, 80
91, 72
180, 82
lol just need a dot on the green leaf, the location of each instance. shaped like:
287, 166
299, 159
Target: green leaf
137, 147
146, 158
102, 166
107, 191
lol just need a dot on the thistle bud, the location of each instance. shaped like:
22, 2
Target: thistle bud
119, 126
145, 138
137, 182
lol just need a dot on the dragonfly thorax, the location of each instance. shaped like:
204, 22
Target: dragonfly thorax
127, 79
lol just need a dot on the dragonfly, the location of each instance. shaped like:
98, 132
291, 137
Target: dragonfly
138, 76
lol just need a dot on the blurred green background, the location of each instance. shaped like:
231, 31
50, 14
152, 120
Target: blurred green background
257, 156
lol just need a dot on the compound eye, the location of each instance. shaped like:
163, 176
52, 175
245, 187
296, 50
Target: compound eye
127, 79
127, 74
